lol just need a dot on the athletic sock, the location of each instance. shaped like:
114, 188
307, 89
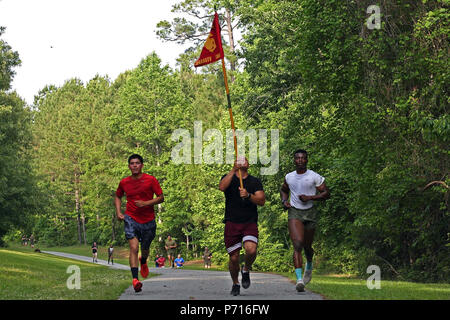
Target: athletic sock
309, 265
134, 272
298, 272
143, 261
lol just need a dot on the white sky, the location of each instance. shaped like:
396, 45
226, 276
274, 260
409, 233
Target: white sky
88, 37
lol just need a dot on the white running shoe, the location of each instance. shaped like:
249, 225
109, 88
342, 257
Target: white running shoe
307, 276
300, 286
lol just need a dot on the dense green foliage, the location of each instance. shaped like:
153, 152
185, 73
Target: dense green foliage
370, 106
18, 194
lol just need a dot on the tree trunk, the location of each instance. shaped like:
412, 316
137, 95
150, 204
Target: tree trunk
77, 210
113, 229
187, 243
83, 224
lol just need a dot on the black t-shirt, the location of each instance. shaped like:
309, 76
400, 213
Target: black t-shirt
237, 209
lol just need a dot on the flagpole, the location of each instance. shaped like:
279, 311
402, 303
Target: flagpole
230, 111
211, 52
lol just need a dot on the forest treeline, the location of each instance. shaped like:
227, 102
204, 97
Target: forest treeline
370, 105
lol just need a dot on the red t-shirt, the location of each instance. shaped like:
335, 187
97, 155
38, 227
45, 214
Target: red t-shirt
139, 189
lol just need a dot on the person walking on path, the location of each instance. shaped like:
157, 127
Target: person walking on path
304, 186
207, 258
241, 220
110, 254
139, 217
170, 246
32, 241
94, 252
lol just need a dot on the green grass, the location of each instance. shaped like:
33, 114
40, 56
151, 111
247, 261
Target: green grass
199, 265
338, 287
26, 275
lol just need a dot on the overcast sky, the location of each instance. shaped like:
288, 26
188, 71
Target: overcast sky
62, 39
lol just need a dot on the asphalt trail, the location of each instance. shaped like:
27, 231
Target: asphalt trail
184, 284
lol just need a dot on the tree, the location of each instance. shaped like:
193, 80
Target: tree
72, 149
18, 186
9, 60
182, 30
374, 125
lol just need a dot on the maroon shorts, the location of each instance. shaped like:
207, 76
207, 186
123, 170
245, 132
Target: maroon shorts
237, 233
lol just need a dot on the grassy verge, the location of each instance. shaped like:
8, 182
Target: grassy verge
341, 287
25, 275
199, 265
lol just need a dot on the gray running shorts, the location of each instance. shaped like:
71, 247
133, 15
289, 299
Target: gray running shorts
144, 232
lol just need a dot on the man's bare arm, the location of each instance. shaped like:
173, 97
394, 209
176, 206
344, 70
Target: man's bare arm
284, 194
258, 198
118, 205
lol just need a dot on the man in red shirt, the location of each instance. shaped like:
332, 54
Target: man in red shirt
139, 216
161, 260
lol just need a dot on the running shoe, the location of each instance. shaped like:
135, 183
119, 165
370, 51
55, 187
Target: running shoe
235, 290
300, 286
137, 285
245, 278
307, 276
144, 269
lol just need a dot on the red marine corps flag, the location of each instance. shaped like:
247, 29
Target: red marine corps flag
212, 50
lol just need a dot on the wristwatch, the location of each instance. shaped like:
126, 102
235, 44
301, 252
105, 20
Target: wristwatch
283, 201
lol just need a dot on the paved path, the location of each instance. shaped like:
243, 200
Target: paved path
88, 259
184, 284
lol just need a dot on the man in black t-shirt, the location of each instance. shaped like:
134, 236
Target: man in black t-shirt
241, 220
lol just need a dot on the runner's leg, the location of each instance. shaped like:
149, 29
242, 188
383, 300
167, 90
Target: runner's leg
309, 238
297, 235
250, 254
309, 252
144, 254
134, 252
233, 266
